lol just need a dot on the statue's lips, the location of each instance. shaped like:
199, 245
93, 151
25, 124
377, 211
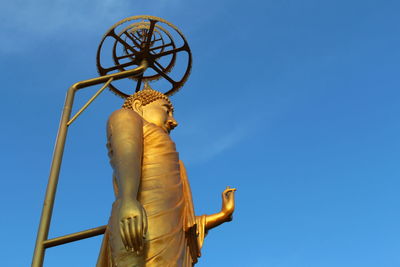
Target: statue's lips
168, 127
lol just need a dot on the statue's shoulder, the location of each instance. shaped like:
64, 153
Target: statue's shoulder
125, 116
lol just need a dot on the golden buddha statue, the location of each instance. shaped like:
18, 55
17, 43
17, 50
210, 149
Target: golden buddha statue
152, 221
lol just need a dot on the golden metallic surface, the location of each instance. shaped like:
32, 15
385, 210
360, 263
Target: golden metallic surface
152, 222
74, 237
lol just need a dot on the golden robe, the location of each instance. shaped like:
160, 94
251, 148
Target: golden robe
175, 235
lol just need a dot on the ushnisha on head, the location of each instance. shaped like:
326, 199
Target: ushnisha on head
153, 106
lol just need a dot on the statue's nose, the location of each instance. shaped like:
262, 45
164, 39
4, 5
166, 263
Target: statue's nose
172, 123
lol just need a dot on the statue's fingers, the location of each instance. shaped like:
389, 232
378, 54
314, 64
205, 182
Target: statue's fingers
135, 232
123, 236
226, 194
132, 233
141, 233
230, 191
128, 235
141, 230
138, 235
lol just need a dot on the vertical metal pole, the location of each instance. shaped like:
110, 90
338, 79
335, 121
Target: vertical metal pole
47, 210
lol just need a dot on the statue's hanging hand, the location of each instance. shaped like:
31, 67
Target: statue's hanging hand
133, 224
228, 203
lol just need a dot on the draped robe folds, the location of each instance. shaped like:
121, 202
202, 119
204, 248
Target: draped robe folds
175, 235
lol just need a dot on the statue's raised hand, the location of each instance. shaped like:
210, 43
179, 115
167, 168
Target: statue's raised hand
228, 202
133, 224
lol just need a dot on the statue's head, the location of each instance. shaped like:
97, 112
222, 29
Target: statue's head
153, 106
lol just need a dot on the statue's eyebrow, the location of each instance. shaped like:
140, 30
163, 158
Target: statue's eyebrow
168, 106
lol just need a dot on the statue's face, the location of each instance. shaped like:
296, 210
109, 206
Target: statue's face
160, 113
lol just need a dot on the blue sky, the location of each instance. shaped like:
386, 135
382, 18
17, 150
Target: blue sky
294, 103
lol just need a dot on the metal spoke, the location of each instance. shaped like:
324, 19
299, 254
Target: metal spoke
120, 66
163, 74
136, 37
161, 46
142, 35
160, 66
128, 55
133, 40
150, 33
176, 50
125, 44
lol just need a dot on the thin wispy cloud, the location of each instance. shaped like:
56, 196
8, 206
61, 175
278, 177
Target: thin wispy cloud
24, 22
199, 146
206, 140
222, 144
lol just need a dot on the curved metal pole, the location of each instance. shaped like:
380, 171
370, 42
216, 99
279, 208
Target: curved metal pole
89, 102
47, 209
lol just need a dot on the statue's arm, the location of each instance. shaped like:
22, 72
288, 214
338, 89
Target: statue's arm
125, 142
125, 137
225, 215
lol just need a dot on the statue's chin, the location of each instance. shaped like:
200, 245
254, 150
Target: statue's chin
166, 129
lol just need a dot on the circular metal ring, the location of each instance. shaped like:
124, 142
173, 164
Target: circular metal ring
148, 38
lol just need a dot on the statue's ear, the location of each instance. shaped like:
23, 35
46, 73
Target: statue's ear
137, 106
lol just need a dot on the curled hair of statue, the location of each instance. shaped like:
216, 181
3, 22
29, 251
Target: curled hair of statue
146, 96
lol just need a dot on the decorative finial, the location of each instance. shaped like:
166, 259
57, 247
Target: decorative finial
147, 86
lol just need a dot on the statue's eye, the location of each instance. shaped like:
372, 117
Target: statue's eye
167, 109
